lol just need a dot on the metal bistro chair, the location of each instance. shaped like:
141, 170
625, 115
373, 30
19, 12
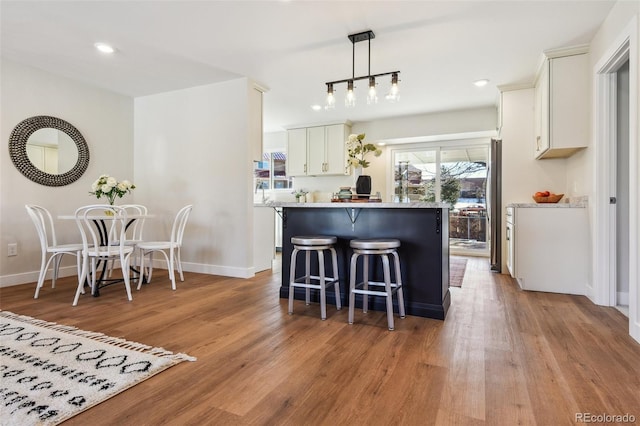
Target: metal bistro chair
51, 250
307, 244
100, 246
169, 249
382, 247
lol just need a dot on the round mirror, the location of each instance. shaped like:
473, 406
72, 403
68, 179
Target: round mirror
48, 150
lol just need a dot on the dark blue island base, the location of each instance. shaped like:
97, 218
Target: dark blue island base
424, 253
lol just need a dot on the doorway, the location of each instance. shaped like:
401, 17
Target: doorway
609, 248
620, 189
455, 173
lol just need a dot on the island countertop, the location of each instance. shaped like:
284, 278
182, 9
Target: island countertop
360, 205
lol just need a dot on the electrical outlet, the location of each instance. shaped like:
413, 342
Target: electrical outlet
12, 249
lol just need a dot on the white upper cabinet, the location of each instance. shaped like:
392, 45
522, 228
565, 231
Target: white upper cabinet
296, 152
561, 104
317, 151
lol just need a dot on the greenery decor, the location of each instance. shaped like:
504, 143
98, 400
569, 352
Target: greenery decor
358, 150
300, 193
109, 187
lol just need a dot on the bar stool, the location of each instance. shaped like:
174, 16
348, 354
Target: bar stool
382, 248
317, 243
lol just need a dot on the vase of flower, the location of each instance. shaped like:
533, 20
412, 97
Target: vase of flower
301, 195
109, 187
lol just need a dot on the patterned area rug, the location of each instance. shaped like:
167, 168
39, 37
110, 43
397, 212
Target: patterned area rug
51, 372
457, 267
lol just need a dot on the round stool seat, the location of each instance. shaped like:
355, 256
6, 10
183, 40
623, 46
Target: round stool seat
313, 240
375, 244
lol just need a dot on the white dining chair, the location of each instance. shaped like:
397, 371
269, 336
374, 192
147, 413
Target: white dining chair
133, 230
169, 249
102, 243
51, 250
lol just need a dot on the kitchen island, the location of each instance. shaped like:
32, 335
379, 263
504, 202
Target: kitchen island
422, 228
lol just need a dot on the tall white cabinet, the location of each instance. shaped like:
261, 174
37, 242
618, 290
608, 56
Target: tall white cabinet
317, 151
562, 103
548, 247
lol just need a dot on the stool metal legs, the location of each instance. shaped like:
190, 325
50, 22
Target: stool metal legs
322, 280
389, 287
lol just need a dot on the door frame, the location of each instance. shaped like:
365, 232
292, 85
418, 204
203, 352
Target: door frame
603, 250
437, 144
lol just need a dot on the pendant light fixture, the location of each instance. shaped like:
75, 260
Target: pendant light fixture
372, 96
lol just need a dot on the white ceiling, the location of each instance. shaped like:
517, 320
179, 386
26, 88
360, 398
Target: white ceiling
294, 47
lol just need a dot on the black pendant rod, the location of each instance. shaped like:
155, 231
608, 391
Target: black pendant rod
353, 60
369, 70
362, 77
356, 38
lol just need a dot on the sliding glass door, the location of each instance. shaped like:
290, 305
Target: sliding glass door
456, 175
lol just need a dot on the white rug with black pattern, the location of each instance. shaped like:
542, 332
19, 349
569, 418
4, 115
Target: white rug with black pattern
51, 372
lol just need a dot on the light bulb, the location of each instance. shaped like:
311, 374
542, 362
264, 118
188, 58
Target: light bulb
372, 97
393, 95
331, 100
350, 98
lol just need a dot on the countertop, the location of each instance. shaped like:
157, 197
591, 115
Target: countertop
548, 205
357, 205
578, 202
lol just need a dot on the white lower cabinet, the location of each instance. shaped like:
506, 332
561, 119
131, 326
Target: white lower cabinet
548, 248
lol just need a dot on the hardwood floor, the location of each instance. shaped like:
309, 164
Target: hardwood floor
501, 357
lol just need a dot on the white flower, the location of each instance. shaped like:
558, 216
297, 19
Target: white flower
357, 150
109, 187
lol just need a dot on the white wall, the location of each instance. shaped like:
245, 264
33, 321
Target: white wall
419, 126
105, 119
193, 147
522, 175
623, 20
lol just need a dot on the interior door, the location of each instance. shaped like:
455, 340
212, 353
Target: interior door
621, 192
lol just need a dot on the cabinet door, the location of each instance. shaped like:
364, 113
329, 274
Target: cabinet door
297, 152
336, 136
542, 112
510, 237
316, 151
569, 88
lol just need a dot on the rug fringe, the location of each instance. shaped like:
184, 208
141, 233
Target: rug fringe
100, 337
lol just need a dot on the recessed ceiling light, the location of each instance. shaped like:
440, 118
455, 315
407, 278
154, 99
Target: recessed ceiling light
481, 83
104, 48
316, 107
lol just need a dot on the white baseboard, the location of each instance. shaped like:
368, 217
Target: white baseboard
622, 298
225, 271
32, 277
67, 271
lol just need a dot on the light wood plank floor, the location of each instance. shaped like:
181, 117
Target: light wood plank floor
502, 356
